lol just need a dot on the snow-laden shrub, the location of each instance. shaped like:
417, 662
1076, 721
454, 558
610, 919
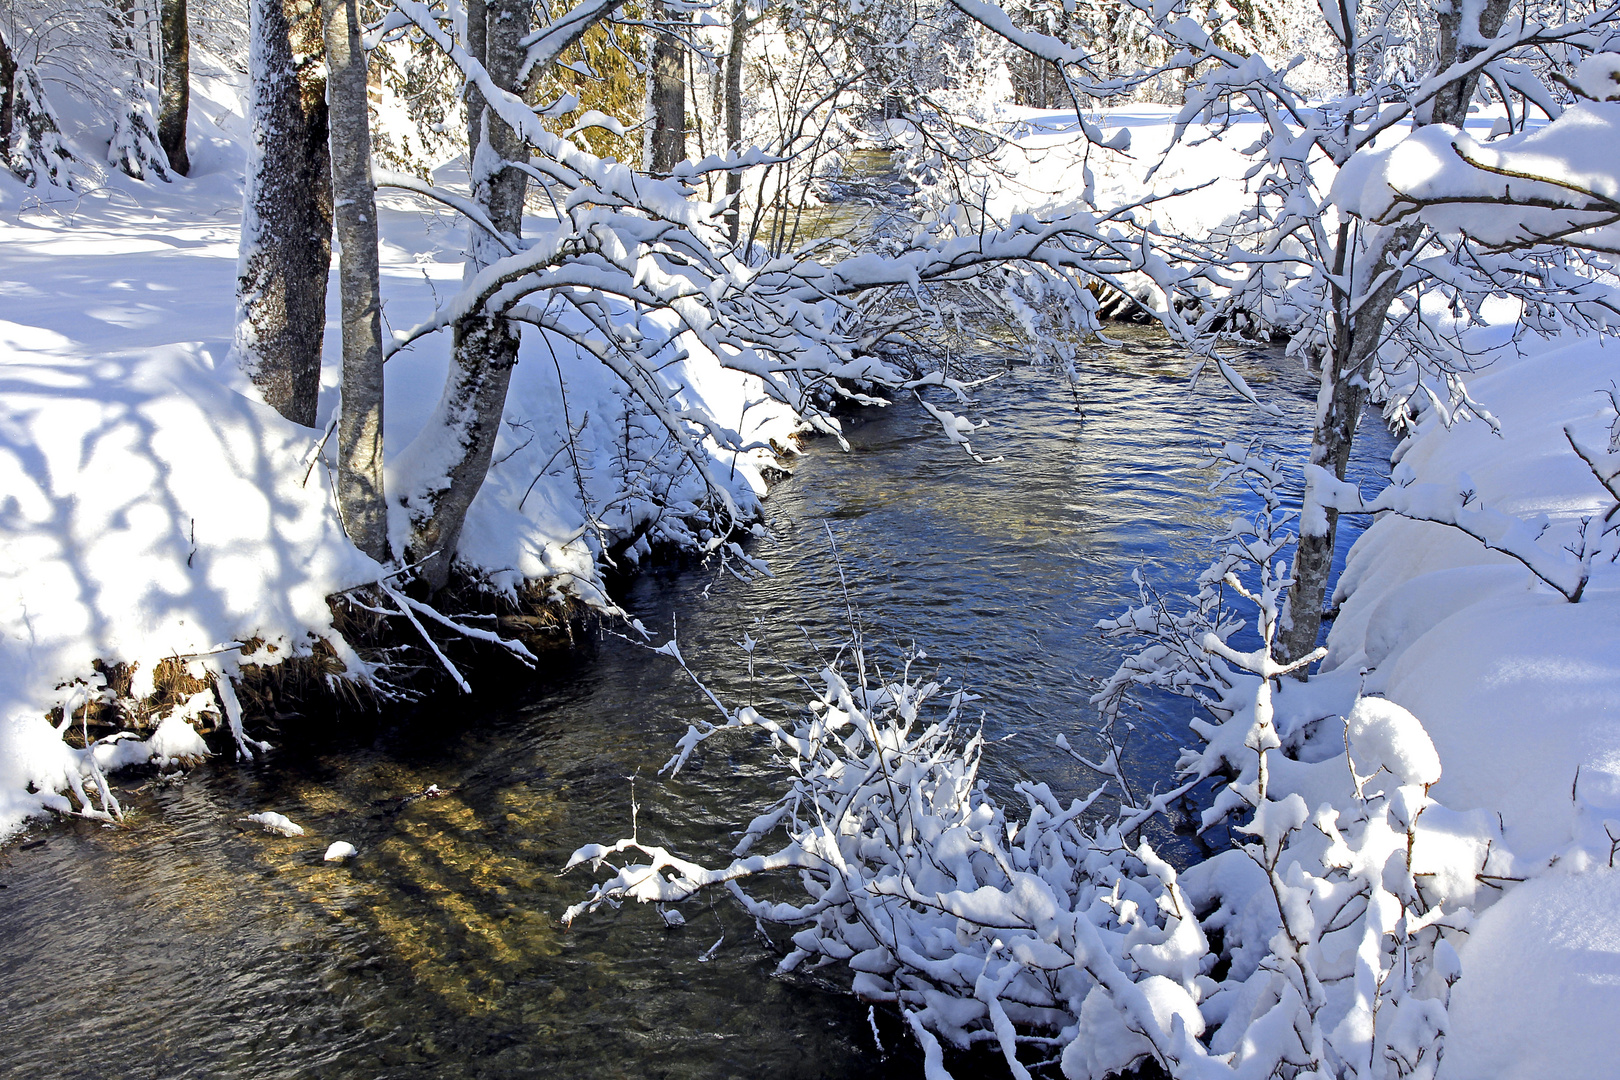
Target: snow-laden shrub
39, 154
974, 924
134, 149
1316, 946
1337, 910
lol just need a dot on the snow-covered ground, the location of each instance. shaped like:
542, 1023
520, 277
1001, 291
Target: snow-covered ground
1520, 692
152, 507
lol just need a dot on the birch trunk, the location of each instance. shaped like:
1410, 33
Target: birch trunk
1359, 318
454, 451
176, 99
286, 247
1340, 403
354, 213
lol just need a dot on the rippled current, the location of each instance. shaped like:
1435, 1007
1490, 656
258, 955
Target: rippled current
184, 946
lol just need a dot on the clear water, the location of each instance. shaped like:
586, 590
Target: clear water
187, 946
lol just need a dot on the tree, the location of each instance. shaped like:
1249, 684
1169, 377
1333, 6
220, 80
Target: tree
468, 416
135, 147
360, 418
736, 56
1327, 283
621, 255
39, 154
286, 246
1359, 313
666, 92
176, 84
8, 96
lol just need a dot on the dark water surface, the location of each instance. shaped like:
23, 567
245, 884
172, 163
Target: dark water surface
187, 947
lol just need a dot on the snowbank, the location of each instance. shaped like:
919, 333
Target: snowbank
1540, 990
1520, 692
1566, 163
152, 508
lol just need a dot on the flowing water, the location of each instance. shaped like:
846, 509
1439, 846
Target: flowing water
191, 946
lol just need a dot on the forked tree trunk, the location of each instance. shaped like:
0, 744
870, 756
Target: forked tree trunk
176, 101
667, 97
1359, 323
286, 247
354, 212
461, 434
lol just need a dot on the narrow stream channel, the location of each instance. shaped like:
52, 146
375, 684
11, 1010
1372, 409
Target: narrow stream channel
185, 946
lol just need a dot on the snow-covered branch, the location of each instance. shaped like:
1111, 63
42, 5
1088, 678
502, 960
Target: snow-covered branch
1458, 506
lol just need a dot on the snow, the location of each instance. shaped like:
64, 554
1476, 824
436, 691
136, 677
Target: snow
176, 741
1541, 985
152, 507
1382, 735
273, 822
1564, 163
1519, 692
339, 850
1598, 76
1515, 686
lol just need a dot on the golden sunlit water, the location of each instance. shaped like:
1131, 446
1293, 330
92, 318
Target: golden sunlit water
189, 944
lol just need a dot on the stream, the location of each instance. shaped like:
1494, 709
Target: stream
188, 945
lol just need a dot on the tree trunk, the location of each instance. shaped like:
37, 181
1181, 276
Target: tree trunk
460, 437
354, 213
8, 97
121, 35
668, 97
286, 248
734, 66
1450, 105
121, 31
1343, 397
1359, 328
176, 101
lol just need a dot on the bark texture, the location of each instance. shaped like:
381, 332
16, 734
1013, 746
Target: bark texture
354, 211
1359, 326
468, 416
286, 250
121, 34
176, 99
734, 104
667, 93
8, 97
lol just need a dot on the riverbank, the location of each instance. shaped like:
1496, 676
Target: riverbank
158, 518
1519, 690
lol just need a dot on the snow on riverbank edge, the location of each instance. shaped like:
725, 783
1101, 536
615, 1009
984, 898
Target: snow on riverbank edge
1520, 692
153, 509
1518, 689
